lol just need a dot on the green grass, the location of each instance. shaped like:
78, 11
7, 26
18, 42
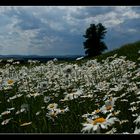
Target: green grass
129, 50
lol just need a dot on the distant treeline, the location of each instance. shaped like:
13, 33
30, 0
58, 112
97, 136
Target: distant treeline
24, 59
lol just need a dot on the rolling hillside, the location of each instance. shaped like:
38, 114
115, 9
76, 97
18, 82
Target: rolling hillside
128, 50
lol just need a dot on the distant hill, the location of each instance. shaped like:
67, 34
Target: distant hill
40, 58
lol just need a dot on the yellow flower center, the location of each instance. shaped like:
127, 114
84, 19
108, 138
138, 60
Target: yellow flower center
10, 82
97, 111
108, 107
51, 106
99, 120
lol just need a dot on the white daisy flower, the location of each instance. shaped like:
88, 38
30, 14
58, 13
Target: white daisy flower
132, 103
5, 113
137, 121
98, 123
89, 128
123, 121
133, 108
52, 106
10, 109
25, 124
138, 93
125, 133
37, 113
10, 82
112, 131
137, 131
6, 121
135, 115
124, 100
46, 99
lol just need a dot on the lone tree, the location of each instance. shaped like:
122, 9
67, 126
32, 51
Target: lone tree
94, 35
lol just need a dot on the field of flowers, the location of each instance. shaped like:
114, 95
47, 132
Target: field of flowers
53, 97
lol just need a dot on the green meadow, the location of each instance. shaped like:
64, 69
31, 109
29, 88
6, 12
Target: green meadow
91, 95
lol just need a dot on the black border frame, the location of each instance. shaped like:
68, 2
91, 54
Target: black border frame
70, 2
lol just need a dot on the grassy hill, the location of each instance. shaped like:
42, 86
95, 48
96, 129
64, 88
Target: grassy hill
129, 50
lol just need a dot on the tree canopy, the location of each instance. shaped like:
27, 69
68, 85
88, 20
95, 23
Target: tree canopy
94, 44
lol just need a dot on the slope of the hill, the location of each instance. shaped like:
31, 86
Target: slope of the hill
129, 50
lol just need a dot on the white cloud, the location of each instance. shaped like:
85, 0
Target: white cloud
115, 17
132, 30
4, 9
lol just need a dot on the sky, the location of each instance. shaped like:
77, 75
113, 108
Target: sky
59, 30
